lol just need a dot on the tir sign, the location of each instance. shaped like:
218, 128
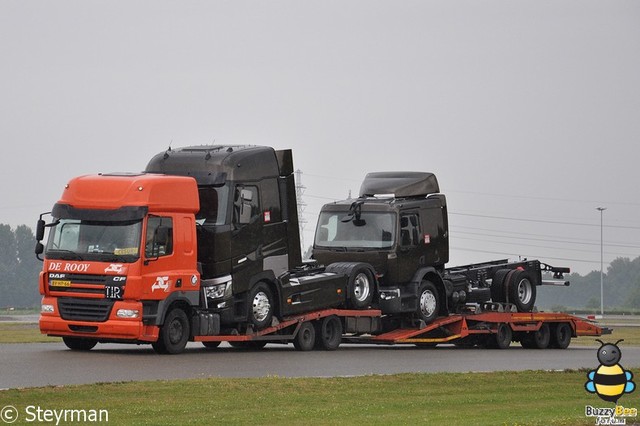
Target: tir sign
267, 216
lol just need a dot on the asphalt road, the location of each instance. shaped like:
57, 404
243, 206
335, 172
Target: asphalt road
42, 364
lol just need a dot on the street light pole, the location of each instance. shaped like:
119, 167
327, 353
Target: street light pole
601, 209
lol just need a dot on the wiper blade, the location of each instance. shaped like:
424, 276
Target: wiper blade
111, 257
65, 252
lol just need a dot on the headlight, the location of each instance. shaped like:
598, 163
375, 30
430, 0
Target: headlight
218, 291
128, 313
47, 309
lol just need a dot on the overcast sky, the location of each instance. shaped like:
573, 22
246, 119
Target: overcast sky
527, 111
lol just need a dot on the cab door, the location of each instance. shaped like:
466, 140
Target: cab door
160, 275
246, 236
410, 247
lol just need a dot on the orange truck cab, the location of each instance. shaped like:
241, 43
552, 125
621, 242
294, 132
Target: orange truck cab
119, 243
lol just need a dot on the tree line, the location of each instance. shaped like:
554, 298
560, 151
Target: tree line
19, 270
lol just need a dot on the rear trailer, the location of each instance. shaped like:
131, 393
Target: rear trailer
326, 329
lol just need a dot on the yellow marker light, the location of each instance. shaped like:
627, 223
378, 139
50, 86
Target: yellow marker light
289, 301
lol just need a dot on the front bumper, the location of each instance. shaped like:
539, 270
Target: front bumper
113, 329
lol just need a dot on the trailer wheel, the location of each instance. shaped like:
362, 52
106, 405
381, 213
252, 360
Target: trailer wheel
248, 344
79, 344
261, 306
328, 333
428, 302
561, 336
537, 339
306, 337
497, 285
502, 338
361, 288
211, 345
521, 291
174, 334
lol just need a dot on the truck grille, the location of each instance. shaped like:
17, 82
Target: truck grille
80, 283
94, 310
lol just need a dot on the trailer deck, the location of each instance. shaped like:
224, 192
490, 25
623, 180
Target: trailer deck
461, 329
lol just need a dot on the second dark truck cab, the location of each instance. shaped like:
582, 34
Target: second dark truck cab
399, 226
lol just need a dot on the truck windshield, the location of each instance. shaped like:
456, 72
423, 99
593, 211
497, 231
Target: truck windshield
74, 239
373, 230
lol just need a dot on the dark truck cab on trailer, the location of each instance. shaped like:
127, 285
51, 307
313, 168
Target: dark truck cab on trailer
399, 226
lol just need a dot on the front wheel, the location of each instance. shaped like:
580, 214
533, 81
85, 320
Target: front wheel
428, 302
174, 334
361, 288
261, 306
79, 344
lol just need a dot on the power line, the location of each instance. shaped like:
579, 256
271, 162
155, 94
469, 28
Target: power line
550, 240
543, 221
524, 256
540, 246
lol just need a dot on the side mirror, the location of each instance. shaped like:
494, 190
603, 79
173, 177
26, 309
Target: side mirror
40, 230
39, 250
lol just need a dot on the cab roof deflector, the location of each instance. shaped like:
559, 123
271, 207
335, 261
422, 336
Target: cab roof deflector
400, 184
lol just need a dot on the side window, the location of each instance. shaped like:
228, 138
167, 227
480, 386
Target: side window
409, 230
159, 239
246, 205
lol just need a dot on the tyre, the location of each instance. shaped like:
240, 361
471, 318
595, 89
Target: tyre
497, 285
248, 345
361, 288
467, 343
328, 333
306, 337
261, 306
561, 336
211, 345
428, 302
79, 344
537, 339
174, 333
521, 291
502, 338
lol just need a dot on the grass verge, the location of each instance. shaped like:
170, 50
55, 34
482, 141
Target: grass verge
23, 332
529, 397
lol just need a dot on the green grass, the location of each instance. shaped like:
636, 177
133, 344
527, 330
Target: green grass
530, 397
23, 332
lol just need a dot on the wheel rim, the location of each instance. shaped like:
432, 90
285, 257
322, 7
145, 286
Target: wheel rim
306, 335
361, 287
428, 303
330, 331
525, 291
261, 306
176, 331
